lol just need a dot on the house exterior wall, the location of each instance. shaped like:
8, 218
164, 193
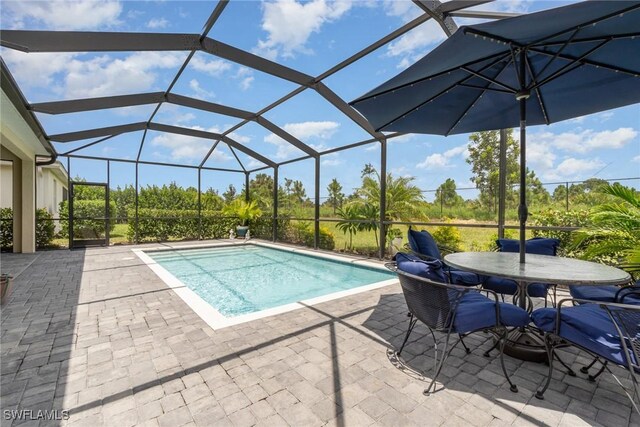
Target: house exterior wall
52, 188
6, 184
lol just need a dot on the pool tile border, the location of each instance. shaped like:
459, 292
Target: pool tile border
217, 320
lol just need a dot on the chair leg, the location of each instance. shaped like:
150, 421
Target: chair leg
493, 347
570, 371
585, 369
438, 364
412, 323
592, 378
503, 342
549, 346
463, 344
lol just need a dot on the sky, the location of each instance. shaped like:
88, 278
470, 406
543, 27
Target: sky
311, 37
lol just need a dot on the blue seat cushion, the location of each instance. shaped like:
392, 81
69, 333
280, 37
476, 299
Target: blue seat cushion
587, 325
423, 243
509, 287
602, 293
465, 278
431, 270
476, 312
537, 246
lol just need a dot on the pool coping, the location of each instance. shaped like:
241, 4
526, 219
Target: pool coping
217, 320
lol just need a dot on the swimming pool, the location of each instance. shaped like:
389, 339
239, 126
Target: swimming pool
242, 279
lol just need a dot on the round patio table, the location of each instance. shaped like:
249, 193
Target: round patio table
523, 343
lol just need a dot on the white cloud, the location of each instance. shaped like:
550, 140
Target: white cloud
636, 159
71, 76
304, 131
289, 24
188, 147
586, 140
212, 67
332, 159
413, 45
246, 83
239, 138
156, 23
199, 92
253, 163
64, 15
443, 160
573, 168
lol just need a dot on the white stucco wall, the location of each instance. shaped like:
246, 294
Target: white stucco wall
52, 183
6, 184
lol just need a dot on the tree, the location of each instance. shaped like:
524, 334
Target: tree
536, 193
484, 158
368, 170
447, 194
560, 194
261, 190
298, 193
336, 196
230, 194
350, 214
404, 200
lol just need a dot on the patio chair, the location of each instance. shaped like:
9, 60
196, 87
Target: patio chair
423, 245
608, 331
629, 294
606, 293
451, 309
536, 245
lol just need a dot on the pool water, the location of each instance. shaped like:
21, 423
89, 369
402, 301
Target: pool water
244, 279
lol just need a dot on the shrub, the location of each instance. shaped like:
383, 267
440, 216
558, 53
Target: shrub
302, 233
491, 244
448, 238
166, 224
561, 218
6, 229
86, 209
45, 228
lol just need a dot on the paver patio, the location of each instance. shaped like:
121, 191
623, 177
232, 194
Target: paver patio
97, 333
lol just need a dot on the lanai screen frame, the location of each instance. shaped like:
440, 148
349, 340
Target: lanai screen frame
76, 41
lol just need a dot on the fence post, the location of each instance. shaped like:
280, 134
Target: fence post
316, 215
136, 236
383, 196
199, 203
274, 226
567, 194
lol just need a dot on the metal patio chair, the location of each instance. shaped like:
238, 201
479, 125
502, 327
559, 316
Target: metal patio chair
452, 309
608, 331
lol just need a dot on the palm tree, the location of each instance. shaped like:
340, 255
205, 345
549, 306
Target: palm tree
615, 228
403, 198
370, 213
349, 213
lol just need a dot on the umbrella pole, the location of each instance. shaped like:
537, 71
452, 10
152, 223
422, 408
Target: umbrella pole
522, 208
523, 212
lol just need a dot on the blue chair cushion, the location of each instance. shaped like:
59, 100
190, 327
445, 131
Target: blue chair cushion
602, 293
537, 246
465, 278
476, 312
587, 325
509, 287
431, 270
423, 243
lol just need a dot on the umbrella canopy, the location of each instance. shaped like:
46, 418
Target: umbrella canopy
538, 68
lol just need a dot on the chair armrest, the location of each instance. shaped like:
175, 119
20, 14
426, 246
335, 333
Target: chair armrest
584, 301
625, 291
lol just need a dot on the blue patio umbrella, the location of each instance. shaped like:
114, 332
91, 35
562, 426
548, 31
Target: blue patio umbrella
539, 68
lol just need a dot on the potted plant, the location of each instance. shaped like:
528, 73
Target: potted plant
245, 211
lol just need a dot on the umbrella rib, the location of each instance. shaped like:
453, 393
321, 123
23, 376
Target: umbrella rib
512, 52
484, 34
570, 66
589, 62
538, 94
554, 57
464, 113
493, 89
590, 39
509, 88
384, 92
584, 24
447, 89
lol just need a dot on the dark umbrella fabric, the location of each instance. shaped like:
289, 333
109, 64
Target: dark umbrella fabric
533, 69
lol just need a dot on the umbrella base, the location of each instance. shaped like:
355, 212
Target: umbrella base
526, 345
